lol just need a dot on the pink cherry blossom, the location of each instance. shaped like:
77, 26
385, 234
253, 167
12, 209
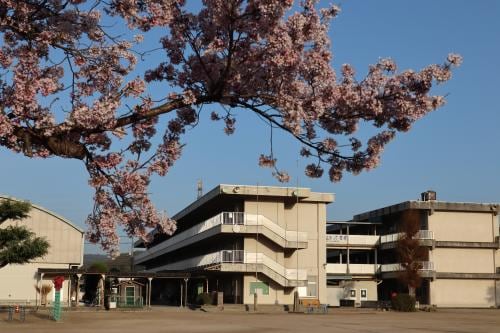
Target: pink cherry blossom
72, 89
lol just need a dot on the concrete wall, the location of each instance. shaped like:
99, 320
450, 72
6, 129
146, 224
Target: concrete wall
463, 226
277, 294
333, 295
311, 218
463, 260
273, 210
369, 285
18, 282
462, 293
66, 249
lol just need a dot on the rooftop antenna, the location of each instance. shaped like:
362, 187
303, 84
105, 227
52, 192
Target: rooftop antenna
199, 186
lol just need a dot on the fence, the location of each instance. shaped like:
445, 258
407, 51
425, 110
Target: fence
126, 301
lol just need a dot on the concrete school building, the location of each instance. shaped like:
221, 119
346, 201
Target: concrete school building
273, 241
65, 252
462, 265
242, 240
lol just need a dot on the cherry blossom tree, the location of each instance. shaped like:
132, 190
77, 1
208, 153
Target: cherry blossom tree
70, 88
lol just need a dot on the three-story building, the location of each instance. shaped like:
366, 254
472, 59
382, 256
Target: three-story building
242, 240
461, 267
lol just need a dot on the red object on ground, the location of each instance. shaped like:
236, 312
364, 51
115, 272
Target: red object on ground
58, 282
394, 294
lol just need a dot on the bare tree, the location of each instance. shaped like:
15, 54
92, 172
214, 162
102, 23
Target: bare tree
410, 252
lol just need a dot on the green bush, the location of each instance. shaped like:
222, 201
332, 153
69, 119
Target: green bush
403, 302
204, 299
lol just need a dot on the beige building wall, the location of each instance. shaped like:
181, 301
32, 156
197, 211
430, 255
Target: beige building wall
18, 283
463, 226
273, 210
66, 249
462, 293
369, 285
311, 218
463, 260
277, 294
66, 242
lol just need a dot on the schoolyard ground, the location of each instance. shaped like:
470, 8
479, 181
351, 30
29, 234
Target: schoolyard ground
187, 321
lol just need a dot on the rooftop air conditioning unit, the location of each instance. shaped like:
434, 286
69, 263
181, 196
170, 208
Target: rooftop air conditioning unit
428, 195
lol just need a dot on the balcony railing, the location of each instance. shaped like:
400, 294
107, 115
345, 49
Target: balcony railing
369, 269
224, 218
425, 266
235, 257
421, 234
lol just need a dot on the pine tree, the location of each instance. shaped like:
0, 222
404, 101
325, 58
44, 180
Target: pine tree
18, 245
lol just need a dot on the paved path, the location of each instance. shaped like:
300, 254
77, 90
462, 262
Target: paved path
185, 321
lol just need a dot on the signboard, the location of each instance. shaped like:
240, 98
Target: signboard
336, 238
261, 288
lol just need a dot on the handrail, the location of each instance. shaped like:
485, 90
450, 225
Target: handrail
235, 257
425, 266
336, 268
224, 218
421, 234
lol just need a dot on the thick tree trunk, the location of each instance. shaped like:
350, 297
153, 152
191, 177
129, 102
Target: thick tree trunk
411, 291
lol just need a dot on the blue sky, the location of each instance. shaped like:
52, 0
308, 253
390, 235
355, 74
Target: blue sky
454, 150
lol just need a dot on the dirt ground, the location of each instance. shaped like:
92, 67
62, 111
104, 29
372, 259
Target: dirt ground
186, 321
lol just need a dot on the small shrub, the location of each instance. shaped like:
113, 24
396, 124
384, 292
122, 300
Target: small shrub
204, 299
44, 290
403, 302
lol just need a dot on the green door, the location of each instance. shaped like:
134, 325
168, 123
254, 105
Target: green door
130, 295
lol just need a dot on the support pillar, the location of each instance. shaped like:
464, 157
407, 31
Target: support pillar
186, 291
40, 288
70, 282
149, 291
182, 294
101, 293
78, 276
348, 252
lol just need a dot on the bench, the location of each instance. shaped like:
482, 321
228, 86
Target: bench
313, 306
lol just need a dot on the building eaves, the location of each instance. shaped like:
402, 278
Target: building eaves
432, 205
304, 194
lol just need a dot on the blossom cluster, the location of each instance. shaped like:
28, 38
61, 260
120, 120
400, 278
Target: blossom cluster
259, 55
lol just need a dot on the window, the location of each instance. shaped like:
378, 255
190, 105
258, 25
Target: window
352, 293
312, 289
261, 288
364, 294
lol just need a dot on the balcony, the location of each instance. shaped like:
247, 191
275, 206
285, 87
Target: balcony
393, 270
427, 269
240, 261
425, 266
421, 234
227, 222
355, 241
425, 237
354, 269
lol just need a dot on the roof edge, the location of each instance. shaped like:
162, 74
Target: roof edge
431, 205
45, 210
